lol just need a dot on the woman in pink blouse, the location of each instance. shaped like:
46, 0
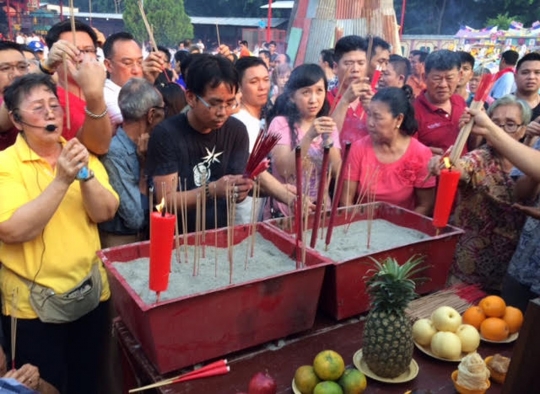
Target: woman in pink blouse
300, 116
388, 164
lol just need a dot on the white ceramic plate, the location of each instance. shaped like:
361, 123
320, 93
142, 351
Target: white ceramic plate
404, 377
510, 339
294, 388
427, 350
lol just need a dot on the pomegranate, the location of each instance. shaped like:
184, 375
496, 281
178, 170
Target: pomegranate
262, 383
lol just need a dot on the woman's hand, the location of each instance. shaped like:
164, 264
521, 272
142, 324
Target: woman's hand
482, 122
27, 375
73, 157
321, 126
434, 165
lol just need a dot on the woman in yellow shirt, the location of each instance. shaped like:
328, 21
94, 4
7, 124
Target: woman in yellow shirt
53, 193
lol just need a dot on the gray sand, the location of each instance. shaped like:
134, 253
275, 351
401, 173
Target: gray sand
347, 244
267, 261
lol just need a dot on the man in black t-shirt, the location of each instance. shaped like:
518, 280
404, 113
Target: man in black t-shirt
205, 147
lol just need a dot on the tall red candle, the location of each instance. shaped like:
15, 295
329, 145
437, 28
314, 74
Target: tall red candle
161, 244
375, 79
446, 192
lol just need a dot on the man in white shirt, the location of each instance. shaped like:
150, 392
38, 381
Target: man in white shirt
123, 61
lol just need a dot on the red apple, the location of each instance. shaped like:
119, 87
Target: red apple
262, 383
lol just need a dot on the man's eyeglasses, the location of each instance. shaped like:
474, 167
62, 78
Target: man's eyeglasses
21, 67
215, 107
130, 63
88, 50
510, 127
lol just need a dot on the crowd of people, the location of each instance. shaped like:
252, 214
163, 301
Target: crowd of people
85, 143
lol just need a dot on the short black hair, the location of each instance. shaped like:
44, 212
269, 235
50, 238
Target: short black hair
180, 56
422, 55
466, 57
10, 45
22, 86
529, 57
109, 42
187, 43
265, 53
348, 44
327, 56
166, 51
244, 42
401, 64
54, 32
246, 62
442, 60
510, 57
210, 71
272, 43
378, 42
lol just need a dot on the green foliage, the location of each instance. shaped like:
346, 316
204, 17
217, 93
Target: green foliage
502, 21
168, 19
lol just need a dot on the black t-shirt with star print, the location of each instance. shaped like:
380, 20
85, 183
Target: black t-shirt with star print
178, 149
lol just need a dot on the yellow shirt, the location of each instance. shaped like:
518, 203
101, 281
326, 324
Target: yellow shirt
63, 254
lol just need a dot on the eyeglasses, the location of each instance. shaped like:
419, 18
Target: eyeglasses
41, 110
162, 107
510, 127
21, 67
88, 50
129, 63
215, 107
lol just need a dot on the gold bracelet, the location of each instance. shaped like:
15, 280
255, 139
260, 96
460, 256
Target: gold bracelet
44, 68
93, 115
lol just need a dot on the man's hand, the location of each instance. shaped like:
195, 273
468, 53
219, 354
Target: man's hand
533, 128
58, 51
153, 65
356, 88
235, 186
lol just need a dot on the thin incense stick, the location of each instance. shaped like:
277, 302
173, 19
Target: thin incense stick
197, 235
215, 231
320, 197
14, 312
348, 188
257, 192
325, 203
176, 226
147, 26
72, 20
337, 195
184, 219
203, 219
66, 92
298, 210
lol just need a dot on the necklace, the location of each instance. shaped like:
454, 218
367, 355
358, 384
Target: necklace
255, 115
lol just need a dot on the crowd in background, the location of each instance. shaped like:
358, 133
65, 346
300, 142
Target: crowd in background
89, 132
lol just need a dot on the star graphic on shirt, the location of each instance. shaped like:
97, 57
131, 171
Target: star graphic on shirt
212, 157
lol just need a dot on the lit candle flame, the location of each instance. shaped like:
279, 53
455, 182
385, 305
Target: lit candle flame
447, 163
160, 206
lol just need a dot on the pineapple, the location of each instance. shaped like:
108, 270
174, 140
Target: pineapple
387, 340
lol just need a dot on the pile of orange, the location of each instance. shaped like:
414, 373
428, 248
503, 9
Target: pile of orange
493, 318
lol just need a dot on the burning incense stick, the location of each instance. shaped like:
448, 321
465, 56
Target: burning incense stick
14, 312
147, 26
215, 232
298, 211
176, 226
183, 214
340, 92
218, 39
214, 369
337, 195
197, 234
320, 196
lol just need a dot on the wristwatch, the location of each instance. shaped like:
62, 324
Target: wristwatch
84, 174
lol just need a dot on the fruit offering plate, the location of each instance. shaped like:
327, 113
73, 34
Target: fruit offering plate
510, 339
361, 365
295, 389
427, 350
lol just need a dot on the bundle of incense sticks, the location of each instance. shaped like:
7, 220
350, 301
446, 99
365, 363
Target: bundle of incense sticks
337, 195
214, 369
258, 161
486, 83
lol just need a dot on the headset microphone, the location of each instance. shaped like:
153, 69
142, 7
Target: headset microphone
50, 127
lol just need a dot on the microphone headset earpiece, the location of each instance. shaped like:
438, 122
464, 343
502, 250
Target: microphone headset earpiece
50, 127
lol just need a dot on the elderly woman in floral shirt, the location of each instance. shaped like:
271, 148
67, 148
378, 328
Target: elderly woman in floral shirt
389, 162
485, 209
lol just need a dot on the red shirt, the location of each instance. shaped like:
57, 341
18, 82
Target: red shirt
355, 123
8, 138
436, 127
76, 113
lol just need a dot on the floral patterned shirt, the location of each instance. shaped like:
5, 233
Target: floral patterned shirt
492, 227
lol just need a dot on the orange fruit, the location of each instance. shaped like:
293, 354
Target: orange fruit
494, 329
328, 365
328, 387
474, 316
514, 318
305, 379
353, 381
493, 306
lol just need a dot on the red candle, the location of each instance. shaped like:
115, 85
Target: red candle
446, 192
375, 79
161, 244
